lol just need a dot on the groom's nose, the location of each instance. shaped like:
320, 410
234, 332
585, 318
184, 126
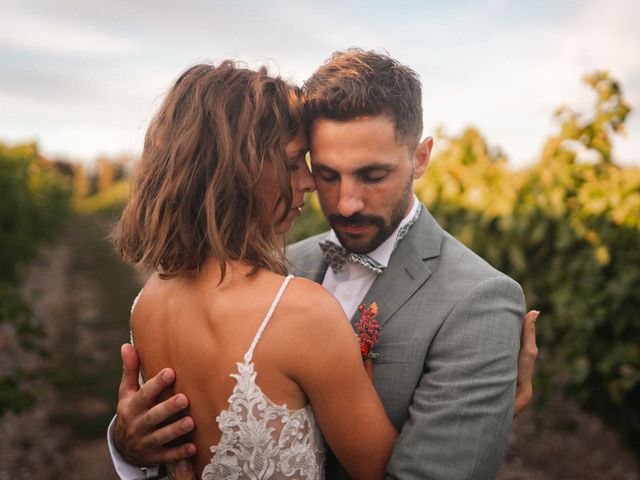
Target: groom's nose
350, 200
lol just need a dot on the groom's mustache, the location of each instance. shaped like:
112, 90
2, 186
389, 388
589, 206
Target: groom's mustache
356, 220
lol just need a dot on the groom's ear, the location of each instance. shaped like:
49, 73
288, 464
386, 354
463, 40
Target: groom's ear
421, 157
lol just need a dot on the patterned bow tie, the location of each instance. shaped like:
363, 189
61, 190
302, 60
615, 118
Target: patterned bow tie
337, 257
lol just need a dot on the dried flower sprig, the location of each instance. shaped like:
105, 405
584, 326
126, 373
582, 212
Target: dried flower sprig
368, 330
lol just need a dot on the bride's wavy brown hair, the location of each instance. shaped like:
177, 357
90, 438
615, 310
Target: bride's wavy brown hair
196, 192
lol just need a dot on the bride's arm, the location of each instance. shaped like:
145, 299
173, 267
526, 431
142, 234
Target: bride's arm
326, 363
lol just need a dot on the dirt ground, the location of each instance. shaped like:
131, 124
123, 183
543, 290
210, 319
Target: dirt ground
85, 318
63, 435
566, 443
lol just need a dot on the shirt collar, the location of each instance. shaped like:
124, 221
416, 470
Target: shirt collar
382, 254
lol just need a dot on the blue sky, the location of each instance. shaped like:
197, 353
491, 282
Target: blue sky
83, 78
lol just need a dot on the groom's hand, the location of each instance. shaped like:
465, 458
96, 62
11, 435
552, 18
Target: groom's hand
184, 471
138, 435
526, 361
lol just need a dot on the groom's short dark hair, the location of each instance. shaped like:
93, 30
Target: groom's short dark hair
357, 82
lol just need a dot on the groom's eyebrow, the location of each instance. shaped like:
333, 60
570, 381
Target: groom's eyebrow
364, 170
373, 167
323, 168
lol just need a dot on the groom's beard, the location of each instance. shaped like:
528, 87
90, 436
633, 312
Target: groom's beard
384, 228
357, 220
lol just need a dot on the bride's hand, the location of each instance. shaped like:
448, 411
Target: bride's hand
526, 361
138, 435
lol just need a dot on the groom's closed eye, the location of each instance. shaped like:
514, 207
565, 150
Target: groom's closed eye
375, 175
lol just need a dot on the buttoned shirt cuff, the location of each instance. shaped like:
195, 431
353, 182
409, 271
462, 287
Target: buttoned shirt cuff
124, 469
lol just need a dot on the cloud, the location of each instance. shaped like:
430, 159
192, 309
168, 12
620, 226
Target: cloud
509, 81
35, 33
497, 64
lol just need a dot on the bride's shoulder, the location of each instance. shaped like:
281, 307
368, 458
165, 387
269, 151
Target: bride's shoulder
307, 293
310, 303
312, 325
304, 284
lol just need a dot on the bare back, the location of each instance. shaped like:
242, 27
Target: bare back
202, 329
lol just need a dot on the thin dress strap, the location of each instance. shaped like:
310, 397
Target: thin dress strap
135, 300
249, 355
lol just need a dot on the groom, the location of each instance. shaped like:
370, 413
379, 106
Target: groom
451, 324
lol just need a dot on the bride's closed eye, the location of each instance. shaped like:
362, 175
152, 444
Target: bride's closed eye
297, 162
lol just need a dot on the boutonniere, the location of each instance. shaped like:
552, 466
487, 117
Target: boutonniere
368, 333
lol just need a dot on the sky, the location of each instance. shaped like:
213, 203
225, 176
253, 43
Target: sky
83, 78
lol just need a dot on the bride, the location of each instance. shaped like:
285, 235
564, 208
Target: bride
222, 177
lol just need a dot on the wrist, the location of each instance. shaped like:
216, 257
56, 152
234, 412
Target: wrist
524, 381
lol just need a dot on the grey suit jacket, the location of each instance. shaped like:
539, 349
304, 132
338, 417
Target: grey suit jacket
448, 350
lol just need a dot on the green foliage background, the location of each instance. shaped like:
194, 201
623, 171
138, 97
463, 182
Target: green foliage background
34, 199
568, 229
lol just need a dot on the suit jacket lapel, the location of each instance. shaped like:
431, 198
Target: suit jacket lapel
407, 270
317, 267
309, 262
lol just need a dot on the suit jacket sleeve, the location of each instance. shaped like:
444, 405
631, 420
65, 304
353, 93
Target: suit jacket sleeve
461, 411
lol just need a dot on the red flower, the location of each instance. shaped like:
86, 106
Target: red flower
368, 330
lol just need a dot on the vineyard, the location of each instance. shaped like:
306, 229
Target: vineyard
34, 201
567, 228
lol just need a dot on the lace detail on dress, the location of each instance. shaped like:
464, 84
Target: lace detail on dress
260, 439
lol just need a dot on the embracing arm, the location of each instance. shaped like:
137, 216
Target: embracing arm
328, 366
461, 411
135, 435
526, 362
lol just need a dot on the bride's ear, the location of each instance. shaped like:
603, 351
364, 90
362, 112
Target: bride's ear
421, 157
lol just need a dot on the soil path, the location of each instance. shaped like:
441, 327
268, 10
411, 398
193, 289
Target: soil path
81, 295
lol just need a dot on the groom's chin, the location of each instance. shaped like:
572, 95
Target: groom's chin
358, 243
